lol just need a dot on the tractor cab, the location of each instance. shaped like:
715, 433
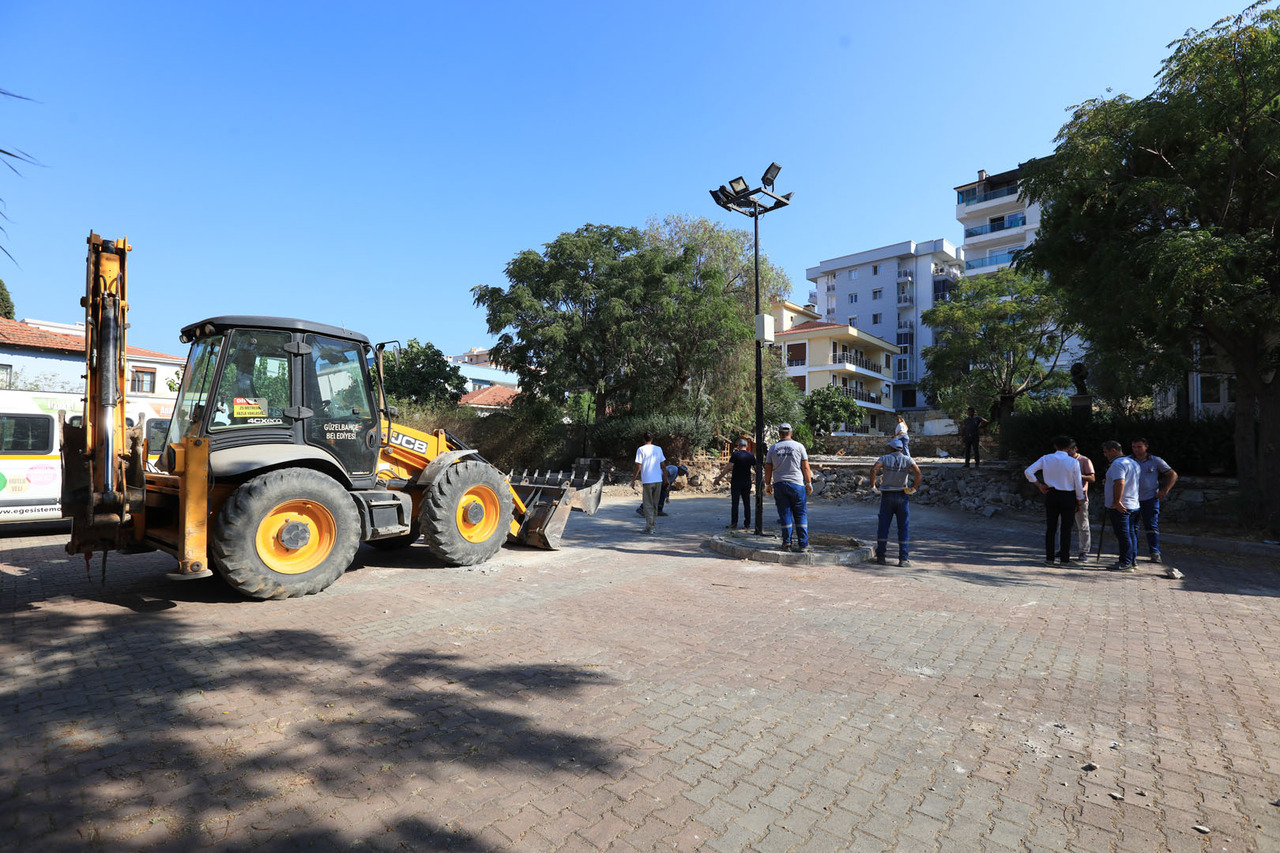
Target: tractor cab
271, 391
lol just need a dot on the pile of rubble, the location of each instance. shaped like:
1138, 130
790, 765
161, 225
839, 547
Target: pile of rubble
987, 490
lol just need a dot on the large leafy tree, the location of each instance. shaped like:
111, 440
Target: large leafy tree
606, 311
1159, 220
999, 336
724, 388
421, 374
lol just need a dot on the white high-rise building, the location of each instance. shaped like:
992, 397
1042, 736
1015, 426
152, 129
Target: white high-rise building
883, 291
997, 221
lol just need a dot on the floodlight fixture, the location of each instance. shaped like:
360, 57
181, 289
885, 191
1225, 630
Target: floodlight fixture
770, 174
739, 185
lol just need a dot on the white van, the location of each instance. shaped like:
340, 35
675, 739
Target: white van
31, 443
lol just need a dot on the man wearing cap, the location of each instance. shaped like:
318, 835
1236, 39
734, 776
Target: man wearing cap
895, 466
787, 477
741, 462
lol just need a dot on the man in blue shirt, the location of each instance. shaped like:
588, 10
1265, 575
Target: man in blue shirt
1155, 478
1121, 496
787, 477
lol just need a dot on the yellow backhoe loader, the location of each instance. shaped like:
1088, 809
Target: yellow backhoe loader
281, 458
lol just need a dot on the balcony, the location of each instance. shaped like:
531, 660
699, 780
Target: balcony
831, 288
855, 360
990, 261
906, 297
813, 297
944, 271
906, 275
1015, 221
861, 396
979, 198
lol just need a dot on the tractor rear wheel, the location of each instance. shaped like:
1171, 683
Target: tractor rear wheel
466, 513
285, 534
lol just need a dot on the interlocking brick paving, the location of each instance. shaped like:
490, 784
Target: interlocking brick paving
642, 693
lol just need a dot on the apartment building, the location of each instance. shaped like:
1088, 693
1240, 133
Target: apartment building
818, 353
882, 293
997, 221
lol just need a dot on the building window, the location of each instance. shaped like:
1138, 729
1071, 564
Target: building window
877, 319
799, 383
6, 375
853, 321
853, 273
143, 382
853, 298
942, 288
875, 269
888, 361
877, 294
906, 342
908, 398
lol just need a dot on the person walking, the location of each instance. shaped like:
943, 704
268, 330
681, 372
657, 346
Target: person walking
900, 432
895, 499
1155, 478
673, 472
1063, 489
652, 474
971, 432
1121, 495
788, 478
740, 467
1084, 533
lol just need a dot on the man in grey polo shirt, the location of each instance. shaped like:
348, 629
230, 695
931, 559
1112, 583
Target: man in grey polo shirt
787, 477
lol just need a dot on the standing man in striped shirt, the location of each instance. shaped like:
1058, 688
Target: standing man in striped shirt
1063, 489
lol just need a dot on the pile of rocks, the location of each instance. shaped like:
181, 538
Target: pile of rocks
987, 490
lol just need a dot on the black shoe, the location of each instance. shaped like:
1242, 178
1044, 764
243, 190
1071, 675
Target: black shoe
785, 546
1155, 557
800, 549
1122, 567
879, 559
904, 563
1050, 563
640, 511
730, 527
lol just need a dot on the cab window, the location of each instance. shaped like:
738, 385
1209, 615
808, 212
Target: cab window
343, 420
254, 387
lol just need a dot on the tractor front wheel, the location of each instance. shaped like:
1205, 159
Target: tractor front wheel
466, 513
285, 534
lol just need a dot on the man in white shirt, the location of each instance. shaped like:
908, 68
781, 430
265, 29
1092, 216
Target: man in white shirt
652, 474
1063, 489
1121, 495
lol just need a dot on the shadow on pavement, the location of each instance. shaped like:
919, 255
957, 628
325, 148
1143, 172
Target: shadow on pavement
135, 728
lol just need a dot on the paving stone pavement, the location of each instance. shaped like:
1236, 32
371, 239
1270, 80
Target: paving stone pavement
634, 693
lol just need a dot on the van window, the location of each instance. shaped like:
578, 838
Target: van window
21, 434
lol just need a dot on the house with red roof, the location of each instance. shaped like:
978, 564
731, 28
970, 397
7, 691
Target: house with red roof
818, 353
44, 356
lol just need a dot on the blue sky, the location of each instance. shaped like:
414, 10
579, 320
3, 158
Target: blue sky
366, 165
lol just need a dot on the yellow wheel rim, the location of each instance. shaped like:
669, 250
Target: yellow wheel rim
478, 514
296, 536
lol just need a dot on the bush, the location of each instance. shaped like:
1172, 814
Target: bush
679, 436
1197, 447
532, 435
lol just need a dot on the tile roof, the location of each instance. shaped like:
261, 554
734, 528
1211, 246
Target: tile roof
493, 395
20, 335
813, 325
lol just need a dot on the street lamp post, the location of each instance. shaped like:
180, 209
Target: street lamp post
740, 198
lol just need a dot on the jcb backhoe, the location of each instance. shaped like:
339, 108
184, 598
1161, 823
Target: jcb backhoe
281, 458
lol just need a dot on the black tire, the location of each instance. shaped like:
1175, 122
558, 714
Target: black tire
466, 514
314, 511
395, 543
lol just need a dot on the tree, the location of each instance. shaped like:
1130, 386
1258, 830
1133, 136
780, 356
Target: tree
423, 375
826, 407
723, 388
605, 311
1159, 220
6, 302
997, 337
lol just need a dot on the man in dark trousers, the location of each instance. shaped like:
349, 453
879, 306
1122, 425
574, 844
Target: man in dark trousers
742, 463
1062, 485
893, 470
971, 431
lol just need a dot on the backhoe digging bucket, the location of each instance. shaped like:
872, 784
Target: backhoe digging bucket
549, 498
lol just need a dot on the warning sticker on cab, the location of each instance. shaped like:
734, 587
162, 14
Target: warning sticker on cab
249, 407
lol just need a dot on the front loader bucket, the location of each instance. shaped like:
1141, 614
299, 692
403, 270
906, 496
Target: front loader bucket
549, 499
